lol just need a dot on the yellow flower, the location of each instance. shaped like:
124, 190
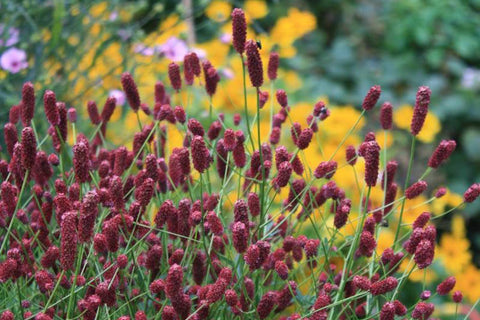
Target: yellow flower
256, 9
402, 118
468, 282
453, 252
219, 11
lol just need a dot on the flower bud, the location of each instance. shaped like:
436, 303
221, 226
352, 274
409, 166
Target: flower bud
51, 110
273, 63
68, 246
28, 104
415, 189
446, 286
254, 64
421, 109
239, 30
174, 76
371, 98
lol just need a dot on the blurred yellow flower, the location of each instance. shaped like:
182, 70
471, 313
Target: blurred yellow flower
256, 9
218, 11
468, 282
453, 252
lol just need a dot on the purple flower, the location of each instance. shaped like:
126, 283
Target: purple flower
11, 36
119, 95
14, 60
143, 49
174, 49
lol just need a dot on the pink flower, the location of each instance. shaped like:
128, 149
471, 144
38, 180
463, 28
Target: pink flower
14, 60
11, 36
119, 95
174, 49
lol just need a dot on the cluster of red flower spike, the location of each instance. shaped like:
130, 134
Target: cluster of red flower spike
57, 222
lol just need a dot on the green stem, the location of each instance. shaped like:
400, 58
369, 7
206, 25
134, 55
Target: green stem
407, 180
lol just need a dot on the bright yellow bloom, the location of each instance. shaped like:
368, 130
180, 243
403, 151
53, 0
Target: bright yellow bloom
453, 252
256, 9
468, 282
218, 11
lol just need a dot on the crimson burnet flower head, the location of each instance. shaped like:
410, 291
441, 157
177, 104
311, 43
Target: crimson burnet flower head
423, 310
229, 139
281, 269
371, 98
100, 243
367, 244
68, 247
72, 115
254, 64
11, 137
81, 162
421, 109
388, 311
400, 309
362, 282
189, 61
351, 155
131, 91
372, 158
389, 174
253, 204
195, 127
472, 193
311, 247
240, 211
273, 63
282, 98
239, 30
240, 236
446, 286
112, 236
51, 109
174, 281
275, 135
144, 193
180, 115
211, 77
7, 315
325, 169
28, 103
341, 214
424, 253
174, 76
386, 114
88, 215
108, 108
93, 113
383, 286
457, 296
266, 304
441, 153
415, 189
304, 138
14, 114
29, 148
421, 220
440, 192
200, 155
284, 173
